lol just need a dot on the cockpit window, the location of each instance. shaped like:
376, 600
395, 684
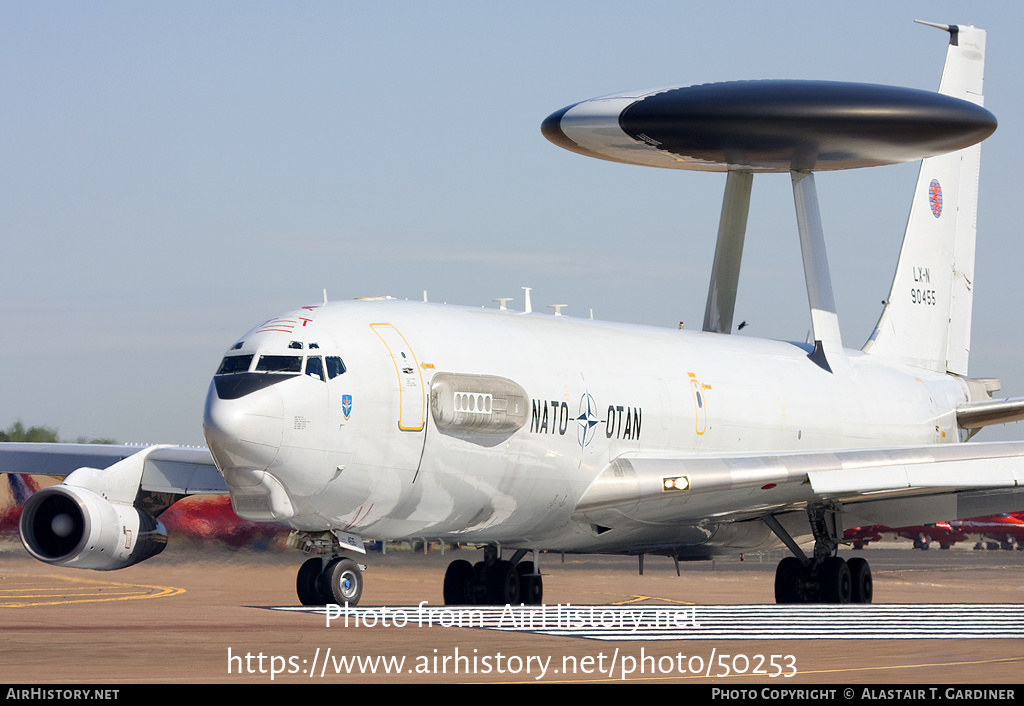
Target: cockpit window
335, 366
297, 345
315, 367
234, 364
279, 364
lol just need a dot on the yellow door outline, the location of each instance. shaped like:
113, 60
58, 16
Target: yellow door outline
411, 392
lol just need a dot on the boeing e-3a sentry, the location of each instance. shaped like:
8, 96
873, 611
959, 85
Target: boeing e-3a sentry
395, 420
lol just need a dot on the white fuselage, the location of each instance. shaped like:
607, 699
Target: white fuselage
398, 447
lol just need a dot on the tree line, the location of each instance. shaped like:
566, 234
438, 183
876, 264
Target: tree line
42, 435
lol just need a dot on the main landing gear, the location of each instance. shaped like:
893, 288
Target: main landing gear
493, 581
826, 578
833, 580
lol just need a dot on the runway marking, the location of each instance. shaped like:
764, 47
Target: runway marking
639, 599
84, 590
996, 621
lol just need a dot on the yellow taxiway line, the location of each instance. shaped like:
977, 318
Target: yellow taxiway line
25, 590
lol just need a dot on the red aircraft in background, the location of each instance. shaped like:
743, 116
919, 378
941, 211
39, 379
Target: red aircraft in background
994, 532
19, 487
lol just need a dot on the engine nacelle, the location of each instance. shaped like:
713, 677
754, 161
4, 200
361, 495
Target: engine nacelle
72, 526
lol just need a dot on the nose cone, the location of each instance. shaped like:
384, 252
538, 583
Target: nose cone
551, 128
591, 128
244, 433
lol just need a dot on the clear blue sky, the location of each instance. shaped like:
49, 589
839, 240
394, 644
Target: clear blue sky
174, 173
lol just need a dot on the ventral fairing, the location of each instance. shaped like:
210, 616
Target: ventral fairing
524, 433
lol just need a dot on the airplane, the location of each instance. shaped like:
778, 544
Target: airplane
209, 519
19, 489
523, 433
1004, 531
945, 533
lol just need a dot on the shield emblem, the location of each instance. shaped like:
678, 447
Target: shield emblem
346, 406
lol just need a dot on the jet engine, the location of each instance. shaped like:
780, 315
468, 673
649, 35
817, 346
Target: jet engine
72, 526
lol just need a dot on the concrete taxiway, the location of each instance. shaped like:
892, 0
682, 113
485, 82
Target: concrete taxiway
191, 617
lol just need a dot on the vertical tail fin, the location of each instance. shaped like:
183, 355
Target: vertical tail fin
926, 321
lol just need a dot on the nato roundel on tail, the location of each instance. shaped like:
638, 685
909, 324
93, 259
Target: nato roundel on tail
770, 126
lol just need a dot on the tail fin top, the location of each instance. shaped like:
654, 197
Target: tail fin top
926, 321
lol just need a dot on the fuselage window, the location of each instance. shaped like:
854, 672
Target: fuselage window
234, 364
315, 367
335, 366
279, 364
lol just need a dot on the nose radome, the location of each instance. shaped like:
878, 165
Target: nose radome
245, 432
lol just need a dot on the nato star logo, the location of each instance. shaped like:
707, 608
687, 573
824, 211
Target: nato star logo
587, 420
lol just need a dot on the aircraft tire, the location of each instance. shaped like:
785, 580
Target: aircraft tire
531, 587
305, 582
862, 587
789, 581
458, 583
341, 582
502, 583
834, 582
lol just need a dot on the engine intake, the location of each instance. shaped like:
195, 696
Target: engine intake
71, 526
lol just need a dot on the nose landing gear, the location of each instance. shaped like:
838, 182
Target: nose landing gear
329, 577
329, 580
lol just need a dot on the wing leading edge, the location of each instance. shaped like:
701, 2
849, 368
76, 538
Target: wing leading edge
178, 470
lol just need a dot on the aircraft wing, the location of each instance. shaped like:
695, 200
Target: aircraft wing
180, 470
886, 486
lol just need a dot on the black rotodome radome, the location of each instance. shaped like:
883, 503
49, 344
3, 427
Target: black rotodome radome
805, 125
